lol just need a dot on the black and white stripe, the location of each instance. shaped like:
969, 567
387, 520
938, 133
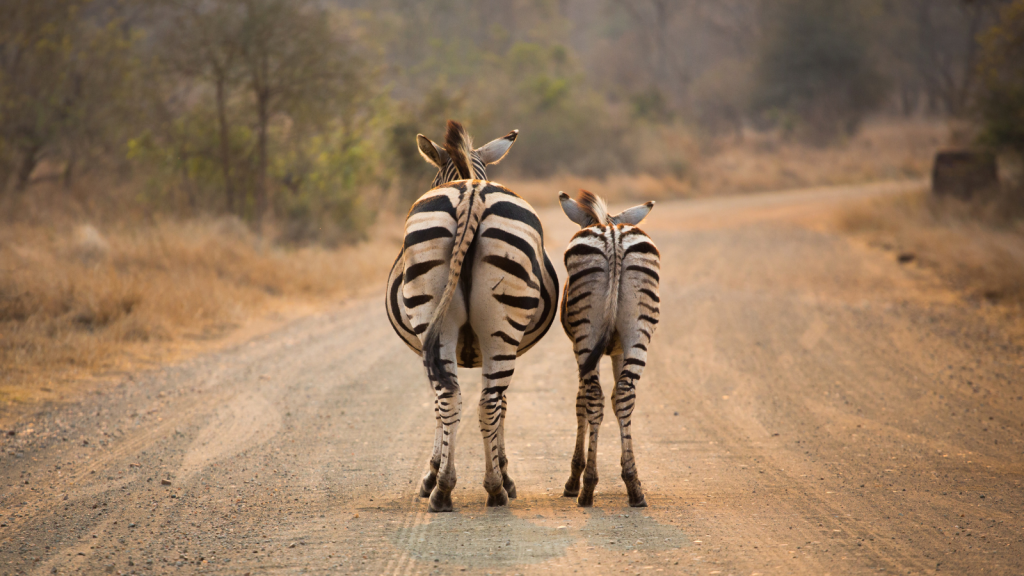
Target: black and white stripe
471, 287
610, 306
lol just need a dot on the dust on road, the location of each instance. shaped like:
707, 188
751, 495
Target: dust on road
809, 406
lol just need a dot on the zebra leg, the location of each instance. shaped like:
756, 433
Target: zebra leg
430, 478
497, 373
628, 370
506, 481
449, 402
490, 415
572, 485
595, 414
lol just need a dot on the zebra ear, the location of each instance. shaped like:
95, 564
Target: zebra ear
431, 152
495, 150
573, 210
633, 215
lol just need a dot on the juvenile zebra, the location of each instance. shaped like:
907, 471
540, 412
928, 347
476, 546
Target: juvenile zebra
472, 286
610, 306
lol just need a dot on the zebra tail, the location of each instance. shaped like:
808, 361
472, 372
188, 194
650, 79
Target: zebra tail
459, 147
605, 324
470, 210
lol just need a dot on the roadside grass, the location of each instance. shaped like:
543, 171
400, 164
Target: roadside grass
884, 149
614, 188
976, 247
672, 164
80, 300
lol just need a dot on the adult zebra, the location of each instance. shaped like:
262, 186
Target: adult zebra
472, 286
610, 306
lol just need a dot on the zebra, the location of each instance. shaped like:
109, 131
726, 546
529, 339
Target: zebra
610, 305
472, 286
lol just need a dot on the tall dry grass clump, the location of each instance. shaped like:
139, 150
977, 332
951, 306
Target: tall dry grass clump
976, 246
82, 299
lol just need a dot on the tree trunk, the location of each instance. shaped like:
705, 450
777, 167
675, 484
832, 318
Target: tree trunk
6, 169
29, 160
225, 152
69, 169
261, 161
963, 92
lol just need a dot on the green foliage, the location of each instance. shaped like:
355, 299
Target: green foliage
816, 65
181, 167
325, 177
650, 105
64, 76
278, 117
412, 174
565, 126
1001, 102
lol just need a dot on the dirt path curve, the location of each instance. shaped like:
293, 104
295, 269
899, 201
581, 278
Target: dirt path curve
810, 407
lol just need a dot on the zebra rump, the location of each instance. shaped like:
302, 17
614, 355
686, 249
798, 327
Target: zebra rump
594, 211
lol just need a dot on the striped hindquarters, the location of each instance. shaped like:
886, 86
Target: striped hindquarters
505, 273
513, 267
423, 263
639, 301
612, 287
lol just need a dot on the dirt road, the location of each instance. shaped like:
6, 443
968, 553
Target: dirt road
809, 407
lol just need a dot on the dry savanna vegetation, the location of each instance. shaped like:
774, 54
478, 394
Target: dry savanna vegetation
975, 247
174, 171
81, 300
884, 149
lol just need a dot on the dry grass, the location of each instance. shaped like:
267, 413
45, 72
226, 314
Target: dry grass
615, 188
976, 247
80, 300
884, 149
672, 164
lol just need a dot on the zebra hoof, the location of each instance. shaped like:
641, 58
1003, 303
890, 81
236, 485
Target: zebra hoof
510, 487
439, 501
640, 502
427, 486
572, 487
500, 498
585, 500
635, 492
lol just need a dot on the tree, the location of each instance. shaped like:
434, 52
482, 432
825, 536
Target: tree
1001, 69
277, 81
61, 77
934, 50
655, 16
293, 64
201, 40
816, 67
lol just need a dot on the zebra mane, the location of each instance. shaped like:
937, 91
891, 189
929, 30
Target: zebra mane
459, 147
594, 206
